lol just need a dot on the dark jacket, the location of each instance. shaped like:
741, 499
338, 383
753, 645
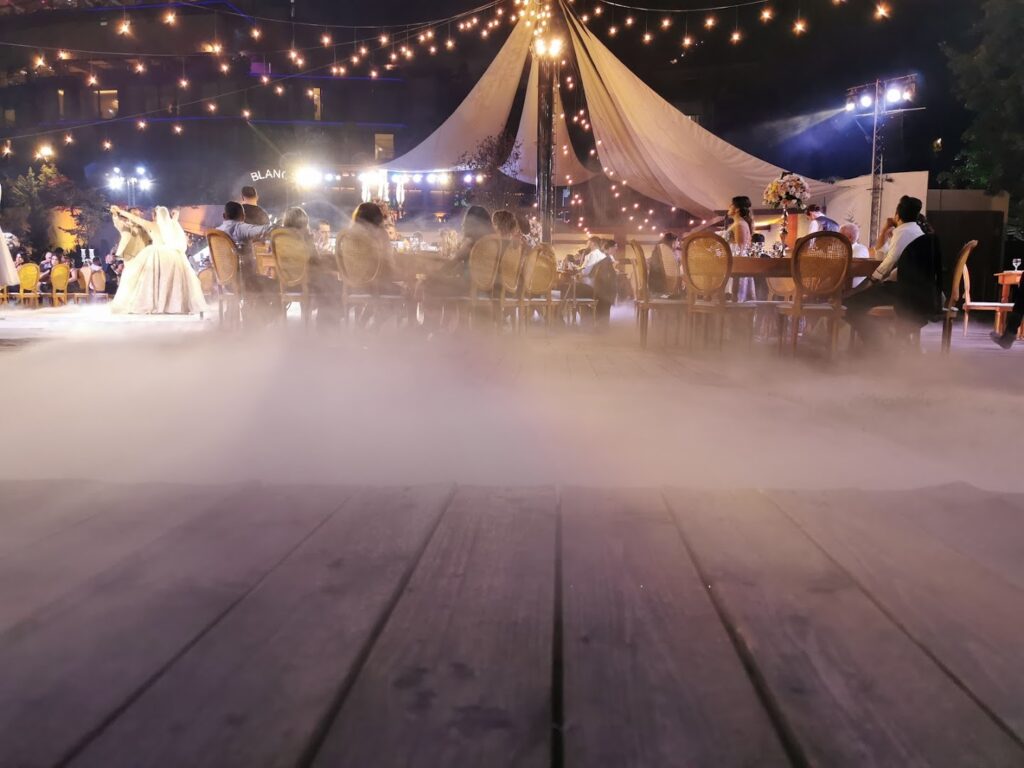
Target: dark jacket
919, 280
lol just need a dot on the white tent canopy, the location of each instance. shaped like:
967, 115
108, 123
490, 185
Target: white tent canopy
642, 140
484, 113
568, 168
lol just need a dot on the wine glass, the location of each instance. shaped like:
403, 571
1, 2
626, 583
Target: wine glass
1016, 265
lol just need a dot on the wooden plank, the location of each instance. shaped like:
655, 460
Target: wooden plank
116, 520
73, 665
988, 527
969, 618
650, 675
849, 686
461, 674
254, 690
32, 510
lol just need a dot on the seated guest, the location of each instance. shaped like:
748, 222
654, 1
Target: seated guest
851, 232
243, 235
819, 221
322, 237
324, 284
251, 206
453, 278
882, 289
597, 278
657, 278
368, 234
112, 272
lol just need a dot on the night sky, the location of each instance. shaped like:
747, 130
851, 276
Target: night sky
755, 88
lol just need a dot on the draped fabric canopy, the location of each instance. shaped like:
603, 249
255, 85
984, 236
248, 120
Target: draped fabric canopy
568, 168
484, 113
642, 140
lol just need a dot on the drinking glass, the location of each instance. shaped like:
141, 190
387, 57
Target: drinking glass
1016, 265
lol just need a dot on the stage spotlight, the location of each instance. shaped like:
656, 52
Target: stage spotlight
140, 170
893, 95
850, 106
307, 177
116, 182
867, 100
145, 184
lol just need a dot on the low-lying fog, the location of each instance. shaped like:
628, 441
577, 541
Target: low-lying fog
388, 408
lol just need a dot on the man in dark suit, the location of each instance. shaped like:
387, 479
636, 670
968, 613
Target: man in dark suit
251, 205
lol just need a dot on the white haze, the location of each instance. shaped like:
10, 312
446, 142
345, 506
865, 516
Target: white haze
388, 408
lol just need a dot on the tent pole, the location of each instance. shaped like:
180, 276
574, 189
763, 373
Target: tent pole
545, 145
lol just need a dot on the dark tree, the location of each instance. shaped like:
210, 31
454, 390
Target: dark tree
496, 160
990, 80
35, 197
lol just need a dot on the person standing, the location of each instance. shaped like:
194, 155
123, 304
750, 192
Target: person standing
1013, 320
251, 205
819, 221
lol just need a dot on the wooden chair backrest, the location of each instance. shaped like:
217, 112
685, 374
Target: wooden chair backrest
511, 266
961, 275
673, 272
821, 264
540, 271
781, 286
291, 258
98, 281
60, 276
707, 264
28, 277
225, 258
484, 260
638, 276
207, 280
359, 258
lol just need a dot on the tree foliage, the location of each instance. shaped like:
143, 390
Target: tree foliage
496, 159
990, 80
36, 196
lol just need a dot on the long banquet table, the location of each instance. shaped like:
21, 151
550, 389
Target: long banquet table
752, 266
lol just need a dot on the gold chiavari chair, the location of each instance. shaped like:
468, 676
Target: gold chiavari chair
291, 253
227, 267
60, 277
510, 274
707, 265
540, 273
28, 285
645, 302
821, 266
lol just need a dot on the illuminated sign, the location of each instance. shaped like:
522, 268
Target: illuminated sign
268, 174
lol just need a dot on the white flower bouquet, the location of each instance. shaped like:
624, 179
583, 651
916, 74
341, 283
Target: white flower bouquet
788, 191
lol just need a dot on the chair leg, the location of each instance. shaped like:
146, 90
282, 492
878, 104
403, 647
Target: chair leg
966, 317
795, 333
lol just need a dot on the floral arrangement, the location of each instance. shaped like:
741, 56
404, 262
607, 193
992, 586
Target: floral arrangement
788, 191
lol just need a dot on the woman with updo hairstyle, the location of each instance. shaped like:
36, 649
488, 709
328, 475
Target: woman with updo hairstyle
741, 226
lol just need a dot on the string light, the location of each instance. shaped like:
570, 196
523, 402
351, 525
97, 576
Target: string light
107, 145
799, 26
767, 14
45, 152
124, 28
69, 139
710, 22
882, 11
255, 33
178, 130
170, 18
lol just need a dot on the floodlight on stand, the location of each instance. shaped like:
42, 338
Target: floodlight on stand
116, 182
893, 94
145, 184
140, 170
850, 105
866, 100
468, 178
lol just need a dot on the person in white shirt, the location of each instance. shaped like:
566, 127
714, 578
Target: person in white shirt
851, 232
880, 289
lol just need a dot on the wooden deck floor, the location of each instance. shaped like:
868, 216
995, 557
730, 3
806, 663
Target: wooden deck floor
262, 625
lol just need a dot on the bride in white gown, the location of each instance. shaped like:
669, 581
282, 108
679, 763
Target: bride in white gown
159, 280
8, 272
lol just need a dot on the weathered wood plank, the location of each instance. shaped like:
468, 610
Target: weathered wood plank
32, 510
851, 688
73, 665
971, 619
113, 522
253, 691
988, 527
461, 674
650, 675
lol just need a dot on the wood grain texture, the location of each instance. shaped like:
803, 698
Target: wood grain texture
112, 522
73, 665
461, 674
253, 691
851, 687
967, 616
650, 675
32, 510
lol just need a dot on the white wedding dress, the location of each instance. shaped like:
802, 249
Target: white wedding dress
160, 280
8, 272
